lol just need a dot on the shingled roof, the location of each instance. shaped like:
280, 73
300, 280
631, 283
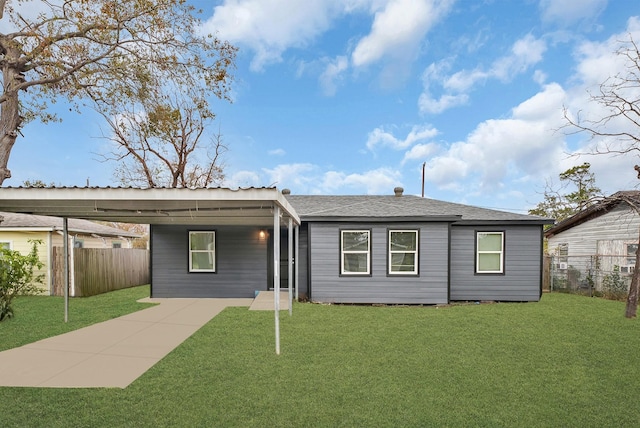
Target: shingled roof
31, 221
596, 210
326, 208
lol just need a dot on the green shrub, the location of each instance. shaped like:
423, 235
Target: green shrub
17, 276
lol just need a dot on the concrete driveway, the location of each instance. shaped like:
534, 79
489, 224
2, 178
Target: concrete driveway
114, 353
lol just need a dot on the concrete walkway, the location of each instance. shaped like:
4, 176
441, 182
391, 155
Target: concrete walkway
112, 353
264, 301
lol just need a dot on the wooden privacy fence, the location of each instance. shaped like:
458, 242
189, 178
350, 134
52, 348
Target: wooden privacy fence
99, 270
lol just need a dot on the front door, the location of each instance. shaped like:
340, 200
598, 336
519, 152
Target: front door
284, 259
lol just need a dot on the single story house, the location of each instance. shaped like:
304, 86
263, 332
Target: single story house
602, 237
17, 229
395, 249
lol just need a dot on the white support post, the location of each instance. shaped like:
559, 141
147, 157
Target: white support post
295, 260
290, 264
276, 273
65, 266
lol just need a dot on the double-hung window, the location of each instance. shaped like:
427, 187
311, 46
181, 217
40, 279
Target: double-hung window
202, 251
489, 252
355, 249
403, 252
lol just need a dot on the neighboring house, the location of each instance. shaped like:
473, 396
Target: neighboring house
394, 249
16, 230
603, 237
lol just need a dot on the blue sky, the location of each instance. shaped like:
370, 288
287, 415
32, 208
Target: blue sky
353, 96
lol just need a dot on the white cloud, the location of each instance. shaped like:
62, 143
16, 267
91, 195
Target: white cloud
299, 175
567, 12
525, 53
244, 179
305, 178
269, 27
525, 144
333, 74
277, 152
398, 29
420, 152
380, 137
427, 104
378, 181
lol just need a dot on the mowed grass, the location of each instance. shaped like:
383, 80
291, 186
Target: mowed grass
39, 317
564, 361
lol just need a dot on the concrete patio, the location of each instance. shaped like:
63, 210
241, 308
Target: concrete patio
114, 353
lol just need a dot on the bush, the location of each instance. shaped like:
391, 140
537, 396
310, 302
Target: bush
17, 276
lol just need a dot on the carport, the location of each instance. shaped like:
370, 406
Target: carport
260, 207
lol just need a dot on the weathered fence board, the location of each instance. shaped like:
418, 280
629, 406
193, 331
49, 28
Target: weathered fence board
99, 270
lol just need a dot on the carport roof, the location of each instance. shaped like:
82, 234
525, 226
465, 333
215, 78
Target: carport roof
222, 206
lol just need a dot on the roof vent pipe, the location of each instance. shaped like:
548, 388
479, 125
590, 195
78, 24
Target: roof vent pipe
286, 191
398, 191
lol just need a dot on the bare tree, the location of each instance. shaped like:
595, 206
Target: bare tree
618, 126
162, 141
99, 50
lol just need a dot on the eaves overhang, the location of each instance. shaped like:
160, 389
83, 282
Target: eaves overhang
386, 219
221, 206
540, 222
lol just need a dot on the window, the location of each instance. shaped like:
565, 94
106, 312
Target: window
489, 252
631, 254
202, 251
355, 246
403, 252
630, 266
116, 244
78, 243
5, 245
562, 260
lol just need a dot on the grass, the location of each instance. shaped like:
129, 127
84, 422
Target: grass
38, 317
565, 361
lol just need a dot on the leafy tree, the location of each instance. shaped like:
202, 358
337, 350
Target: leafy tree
101, 51
558, 204
617, 127
17, 276
37, 183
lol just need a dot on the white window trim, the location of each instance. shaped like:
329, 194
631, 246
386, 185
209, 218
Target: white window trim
415, 252
212, 252
478, 252
343, 252
8, 242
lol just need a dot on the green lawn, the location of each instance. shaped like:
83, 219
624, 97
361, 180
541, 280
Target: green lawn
565, 361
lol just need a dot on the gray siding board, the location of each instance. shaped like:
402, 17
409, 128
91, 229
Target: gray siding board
521, 280
429, 287
241, 263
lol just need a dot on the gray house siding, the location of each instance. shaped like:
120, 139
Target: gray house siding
241, 263
521, 280
428, 287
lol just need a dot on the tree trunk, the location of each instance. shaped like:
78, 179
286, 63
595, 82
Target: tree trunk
10, 119
632, 298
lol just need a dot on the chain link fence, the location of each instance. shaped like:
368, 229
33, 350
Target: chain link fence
598, 275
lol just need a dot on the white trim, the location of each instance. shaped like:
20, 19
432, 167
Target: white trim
415, 252
211, 252
478, 252
343, 252
6, 241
